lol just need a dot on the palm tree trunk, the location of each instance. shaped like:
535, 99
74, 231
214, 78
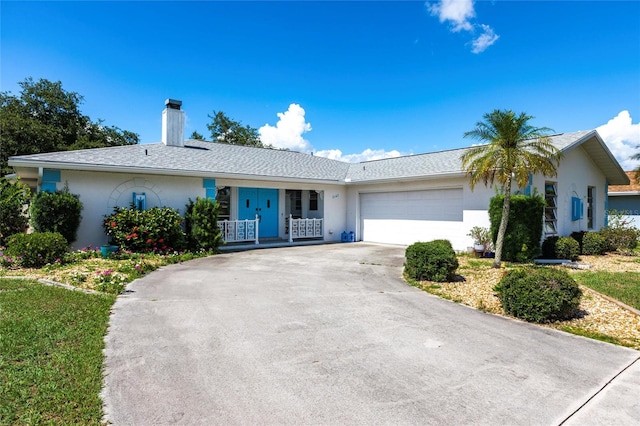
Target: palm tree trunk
502, 230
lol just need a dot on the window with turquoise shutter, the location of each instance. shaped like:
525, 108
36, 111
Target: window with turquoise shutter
576, 208
49, 181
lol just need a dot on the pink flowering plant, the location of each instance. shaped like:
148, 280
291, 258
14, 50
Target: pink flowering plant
157, 230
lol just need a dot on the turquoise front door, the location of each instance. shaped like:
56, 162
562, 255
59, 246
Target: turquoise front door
262, 202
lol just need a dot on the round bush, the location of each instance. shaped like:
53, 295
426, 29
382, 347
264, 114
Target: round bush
539, 295
37, 249
431, 261
620, 238
593, 243
56, 212
567, 248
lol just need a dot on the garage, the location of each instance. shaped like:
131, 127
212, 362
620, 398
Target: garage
404, 217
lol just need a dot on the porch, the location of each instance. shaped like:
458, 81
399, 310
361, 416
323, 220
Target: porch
269, 243
247, 231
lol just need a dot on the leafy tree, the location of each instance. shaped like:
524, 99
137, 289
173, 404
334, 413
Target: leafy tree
225, 130
197, 136
514, 149
13, 199
44, 118
637, 170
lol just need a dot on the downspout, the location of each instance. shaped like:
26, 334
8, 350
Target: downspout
606, 202
39, 182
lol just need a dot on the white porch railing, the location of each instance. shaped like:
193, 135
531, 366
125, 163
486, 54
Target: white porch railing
304, 228
240, 230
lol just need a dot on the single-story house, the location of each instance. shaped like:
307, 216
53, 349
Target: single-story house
287, 195
625, 200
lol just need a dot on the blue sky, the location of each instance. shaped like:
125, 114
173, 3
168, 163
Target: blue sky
351, 80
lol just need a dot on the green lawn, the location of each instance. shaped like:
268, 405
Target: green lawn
623, 286
51, 360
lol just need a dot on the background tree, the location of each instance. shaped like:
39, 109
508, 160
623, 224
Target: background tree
197, 136
44, 118
637, 170
14, 197
514, 149
225, 130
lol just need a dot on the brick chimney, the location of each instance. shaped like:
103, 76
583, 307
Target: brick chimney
173, 123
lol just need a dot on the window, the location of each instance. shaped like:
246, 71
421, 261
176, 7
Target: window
313, 200
140, 200
590, 202
49, 180
223, 197
551, 209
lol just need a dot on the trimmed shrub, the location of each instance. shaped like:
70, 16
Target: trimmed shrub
567, 248
13, 199
201, 224
620, 239
431, 261
158, 229
539, 295
593, 243
56, 212
524, 229
560, 248
36, 249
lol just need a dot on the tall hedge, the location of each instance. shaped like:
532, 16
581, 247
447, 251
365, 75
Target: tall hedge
201, 224
524, 230
56, 212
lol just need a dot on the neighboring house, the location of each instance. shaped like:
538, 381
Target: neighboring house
398, 200
625, 200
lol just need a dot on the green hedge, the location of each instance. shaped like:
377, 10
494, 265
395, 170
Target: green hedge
524, 229
593, 243
539, 295
431, 261
36, 249
201, 224
58, 211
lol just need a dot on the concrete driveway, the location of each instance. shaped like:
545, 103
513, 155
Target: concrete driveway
331, 335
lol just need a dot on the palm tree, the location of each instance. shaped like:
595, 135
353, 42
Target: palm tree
513, 149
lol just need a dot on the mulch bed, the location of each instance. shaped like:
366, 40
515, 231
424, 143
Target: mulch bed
477, 279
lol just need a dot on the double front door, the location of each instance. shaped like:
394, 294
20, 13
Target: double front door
262, 202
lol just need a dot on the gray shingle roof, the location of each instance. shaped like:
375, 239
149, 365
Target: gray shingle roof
432, 164
205, 158
216, 159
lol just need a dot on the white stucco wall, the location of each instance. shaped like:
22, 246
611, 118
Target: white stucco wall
101, 192
575, 174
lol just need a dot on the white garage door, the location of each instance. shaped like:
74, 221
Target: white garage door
409, 216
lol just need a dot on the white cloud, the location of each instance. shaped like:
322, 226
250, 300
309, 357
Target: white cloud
288, 131
623, 138
459, 13
366, 155
486, 39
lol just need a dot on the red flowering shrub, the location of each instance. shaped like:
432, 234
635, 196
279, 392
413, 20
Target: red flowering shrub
155, 230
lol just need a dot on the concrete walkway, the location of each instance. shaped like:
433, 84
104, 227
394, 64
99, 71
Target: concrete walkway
331, 335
